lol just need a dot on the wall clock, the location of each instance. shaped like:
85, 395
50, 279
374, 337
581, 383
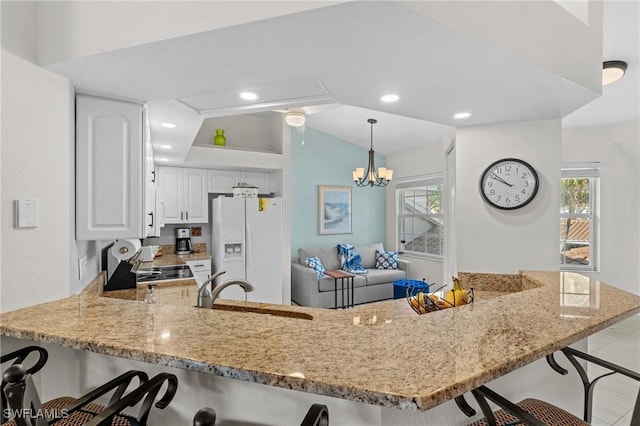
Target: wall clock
509, 184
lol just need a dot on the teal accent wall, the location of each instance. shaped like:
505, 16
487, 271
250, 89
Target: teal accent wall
326, 160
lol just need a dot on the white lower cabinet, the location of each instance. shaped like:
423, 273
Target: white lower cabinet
201, 270
183, 195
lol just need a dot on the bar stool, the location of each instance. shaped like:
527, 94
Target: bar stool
317, 415
535, 412
24, 402
18, 357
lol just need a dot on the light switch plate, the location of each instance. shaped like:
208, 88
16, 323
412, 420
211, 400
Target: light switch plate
26, 213
82, 267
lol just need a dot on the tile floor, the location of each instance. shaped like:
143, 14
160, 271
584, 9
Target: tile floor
614, 396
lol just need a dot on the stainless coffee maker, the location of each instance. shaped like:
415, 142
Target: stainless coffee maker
183, 240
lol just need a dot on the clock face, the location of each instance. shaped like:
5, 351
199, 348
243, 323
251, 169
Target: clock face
509, 184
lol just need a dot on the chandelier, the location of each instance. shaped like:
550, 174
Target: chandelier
373, 177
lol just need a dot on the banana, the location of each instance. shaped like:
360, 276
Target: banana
457, 296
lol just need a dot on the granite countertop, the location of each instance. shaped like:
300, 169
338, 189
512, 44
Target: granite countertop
372, 353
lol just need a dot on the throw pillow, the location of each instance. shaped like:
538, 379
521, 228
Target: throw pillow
386, 259
315, 264
350, 260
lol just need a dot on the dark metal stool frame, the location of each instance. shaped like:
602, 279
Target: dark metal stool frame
18, 357
317, 415
483, 393
24, 401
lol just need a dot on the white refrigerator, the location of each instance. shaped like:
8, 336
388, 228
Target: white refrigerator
247, 243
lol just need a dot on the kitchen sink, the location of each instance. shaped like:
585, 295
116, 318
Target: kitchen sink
164, 273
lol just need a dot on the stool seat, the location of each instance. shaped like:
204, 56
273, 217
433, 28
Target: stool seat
549, 414
81, 417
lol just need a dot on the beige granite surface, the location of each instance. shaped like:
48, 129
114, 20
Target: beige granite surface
372, 353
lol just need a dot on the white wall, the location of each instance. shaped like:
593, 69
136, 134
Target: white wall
427, 160
617, 148
506, 241
36, 165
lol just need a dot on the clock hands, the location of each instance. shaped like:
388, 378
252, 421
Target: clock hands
499, 179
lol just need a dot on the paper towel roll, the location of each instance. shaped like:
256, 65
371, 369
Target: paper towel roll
125, 249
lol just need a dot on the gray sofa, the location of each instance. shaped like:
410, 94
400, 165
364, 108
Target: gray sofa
307, 289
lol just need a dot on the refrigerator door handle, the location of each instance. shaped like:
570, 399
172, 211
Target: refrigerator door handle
247, 244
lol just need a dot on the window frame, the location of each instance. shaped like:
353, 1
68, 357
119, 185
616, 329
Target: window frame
419, 182
590, 171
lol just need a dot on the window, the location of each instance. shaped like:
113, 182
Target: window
420, 216
578, 219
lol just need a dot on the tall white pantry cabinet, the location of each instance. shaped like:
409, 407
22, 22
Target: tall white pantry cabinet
115, 192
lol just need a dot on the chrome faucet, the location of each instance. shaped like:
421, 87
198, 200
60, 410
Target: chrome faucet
204, 295
246, 286
206, 298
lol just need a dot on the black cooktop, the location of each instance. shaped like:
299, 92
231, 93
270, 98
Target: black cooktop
164, 273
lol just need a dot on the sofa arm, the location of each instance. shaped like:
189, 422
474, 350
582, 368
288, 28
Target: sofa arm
404, 265
304, 284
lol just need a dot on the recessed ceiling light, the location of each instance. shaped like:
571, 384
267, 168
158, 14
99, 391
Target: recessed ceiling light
461, 115
165, 147
249, 96
390, 98
163, 159
169, 125
613, 71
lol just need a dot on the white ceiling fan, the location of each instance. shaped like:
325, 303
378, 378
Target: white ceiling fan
296, 116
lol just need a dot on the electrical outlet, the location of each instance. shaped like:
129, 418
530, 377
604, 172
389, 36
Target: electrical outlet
82, 267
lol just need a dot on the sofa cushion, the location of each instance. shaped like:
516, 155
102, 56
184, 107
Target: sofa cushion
328, 256
384, 276
368, 254
326, 283
316, 264
386, 259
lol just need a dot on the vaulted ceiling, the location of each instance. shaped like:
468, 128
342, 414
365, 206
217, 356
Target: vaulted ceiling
348, 55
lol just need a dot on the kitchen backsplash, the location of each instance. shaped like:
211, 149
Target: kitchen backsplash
168, 235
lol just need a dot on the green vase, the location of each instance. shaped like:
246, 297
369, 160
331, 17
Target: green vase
219, 138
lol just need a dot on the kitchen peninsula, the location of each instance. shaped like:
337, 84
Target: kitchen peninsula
367, 354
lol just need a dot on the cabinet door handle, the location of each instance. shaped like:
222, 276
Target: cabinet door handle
151, 214
198, 266
153, 172
181, 215
187, 214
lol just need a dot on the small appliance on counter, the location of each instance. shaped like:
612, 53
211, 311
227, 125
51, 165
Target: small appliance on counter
147, 253
244, 190
183, 240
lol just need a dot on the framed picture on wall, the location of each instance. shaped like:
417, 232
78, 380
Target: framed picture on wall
334, 210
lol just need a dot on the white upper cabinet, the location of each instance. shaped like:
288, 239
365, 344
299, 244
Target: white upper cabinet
183, 195
195, 196
170, 185
150, 188
110, 197
222, 181
261, 180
